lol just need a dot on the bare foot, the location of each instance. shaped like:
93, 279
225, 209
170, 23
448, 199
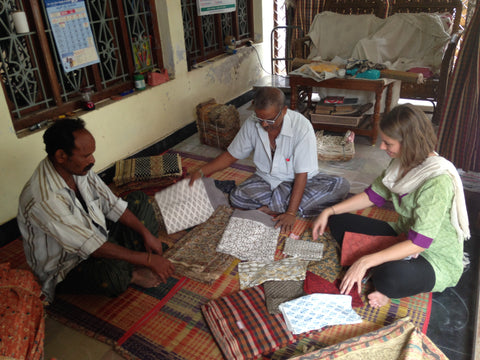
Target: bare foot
377, 299
267, 210
145, 277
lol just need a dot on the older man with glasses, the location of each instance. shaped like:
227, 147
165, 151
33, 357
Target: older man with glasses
286, 182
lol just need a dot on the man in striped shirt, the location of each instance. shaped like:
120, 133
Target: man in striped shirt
76, 233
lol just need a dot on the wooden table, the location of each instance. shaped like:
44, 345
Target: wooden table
298, 82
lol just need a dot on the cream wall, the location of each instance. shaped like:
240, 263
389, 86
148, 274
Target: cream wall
126, 126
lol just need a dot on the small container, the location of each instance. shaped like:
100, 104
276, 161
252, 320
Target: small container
139, 80
87, 102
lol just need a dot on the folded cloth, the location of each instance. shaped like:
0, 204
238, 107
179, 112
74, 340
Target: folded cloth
315, 311
399, 340
306, 250
183, 206
355, 245
316, 284
277, 292
250, 235
144, 169
195, 255
242, 326
252, 273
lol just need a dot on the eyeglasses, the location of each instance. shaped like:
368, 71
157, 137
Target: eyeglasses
270, 122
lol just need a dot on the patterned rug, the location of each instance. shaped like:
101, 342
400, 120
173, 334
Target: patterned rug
167, 323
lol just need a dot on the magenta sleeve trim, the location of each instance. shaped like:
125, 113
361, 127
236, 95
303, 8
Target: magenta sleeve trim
374, 197
419, 239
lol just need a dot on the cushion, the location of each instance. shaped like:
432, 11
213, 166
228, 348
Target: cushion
184, 206
357, 245
147, 169
242, 326
250, 235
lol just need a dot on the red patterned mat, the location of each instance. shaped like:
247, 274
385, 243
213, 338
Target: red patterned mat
167, 323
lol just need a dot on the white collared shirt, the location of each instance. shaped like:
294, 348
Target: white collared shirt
57, 231
296, 149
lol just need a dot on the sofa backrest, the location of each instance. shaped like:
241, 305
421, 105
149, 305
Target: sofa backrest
357, 7
305, 10
453, 7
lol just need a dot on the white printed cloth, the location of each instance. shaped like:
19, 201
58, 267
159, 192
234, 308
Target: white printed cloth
253, 273
183, 206
250, 235
315, 311
307, 250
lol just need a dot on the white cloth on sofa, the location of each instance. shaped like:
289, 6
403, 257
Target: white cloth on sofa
400, 41
405, 41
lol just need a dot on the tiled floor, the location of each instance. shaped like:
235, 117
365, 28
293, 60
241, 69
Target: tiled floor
63, 343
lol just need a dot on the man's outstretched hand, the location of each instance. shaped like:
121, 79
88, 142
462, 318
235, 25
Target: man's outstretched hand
285, 221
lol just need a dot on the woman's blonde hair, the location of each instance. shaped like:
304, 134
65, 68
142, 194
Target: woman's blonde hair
414, 130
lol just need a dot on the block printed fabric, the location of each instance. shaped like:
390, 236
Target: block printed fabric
307, 250
316, 284
250, 235
252, 273
315, 311
184, 206
399, 340
356, 245
195, 255
242, 326
277, 292
329, 266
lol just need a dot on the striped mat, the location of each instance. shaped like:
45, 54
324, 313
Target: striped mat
167, 323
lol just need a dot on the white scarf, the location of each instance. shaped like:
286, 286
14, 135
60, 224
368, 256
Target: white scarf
431, 167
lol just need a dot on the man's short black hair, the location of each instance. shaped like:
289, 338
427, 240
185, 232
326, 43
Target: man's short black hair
60, 135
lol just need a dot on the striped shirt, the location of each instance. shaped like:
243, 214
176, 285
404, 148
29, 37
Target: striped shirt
58, 233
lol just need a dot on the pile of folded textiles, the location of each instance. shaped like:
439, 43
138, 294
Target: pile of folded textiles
149, 171
288, 285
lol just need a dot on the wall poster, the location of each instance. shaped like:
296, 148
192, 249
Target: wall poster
208, 7
72, 33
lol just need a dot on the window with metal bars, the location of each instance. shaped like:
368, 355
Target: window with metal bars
37, 88
205, 35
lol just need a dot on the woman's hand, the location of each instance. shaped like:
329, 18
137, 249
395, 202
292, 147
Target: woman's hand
320, 223
286, 221
354, 275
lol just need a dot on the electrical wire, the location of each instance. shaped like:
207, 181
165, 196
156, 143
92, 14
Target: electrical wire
260, 62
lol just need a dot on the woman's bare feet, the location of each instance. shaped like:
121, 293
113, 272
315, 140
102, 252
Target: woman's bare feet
376, 299
145, 277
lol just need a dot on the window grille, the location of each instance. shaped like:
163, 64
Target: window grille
204, 35
36, 86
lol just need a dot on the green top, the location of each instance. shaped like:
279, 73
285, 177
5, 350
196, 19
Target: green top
425, 218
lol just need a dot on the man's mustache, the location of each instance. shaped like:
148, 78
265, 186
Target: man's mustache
88, 167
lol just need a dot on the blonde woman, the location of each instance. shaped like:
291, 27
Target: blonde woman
427, 193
